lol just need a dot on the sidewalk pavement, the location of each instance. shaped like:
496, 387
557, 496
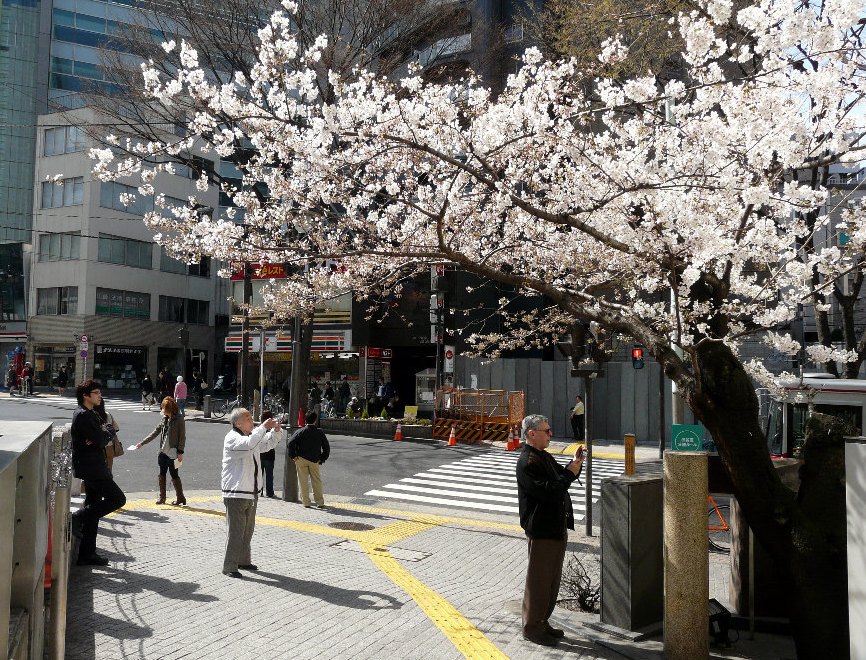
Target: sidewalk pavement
356, 580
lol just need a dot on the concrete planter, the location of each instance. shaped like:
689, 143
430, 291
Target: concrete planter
365, 428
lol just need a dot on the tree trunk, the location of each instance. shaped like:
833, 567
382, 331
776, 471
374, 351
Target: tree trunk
805, 533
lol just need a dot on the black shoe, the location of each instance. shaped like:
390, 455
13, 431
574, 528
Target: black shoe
248, 567
321, 506
232, 574
541, 638
555, 632
92, 560
77, 525
271, 495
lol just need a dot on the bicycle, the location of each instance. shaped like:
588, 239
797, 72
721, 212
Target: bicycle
220, 409
276, 405
719, 532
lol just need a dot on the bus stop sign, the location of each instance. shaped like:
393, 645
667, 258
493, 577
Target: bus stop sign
687, 437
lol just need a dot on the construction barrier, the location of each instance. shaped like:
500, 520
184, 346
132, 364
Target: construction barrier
477, 415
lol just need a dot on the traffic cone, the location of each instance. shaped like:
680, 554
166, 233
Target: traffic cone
398, 434
511, 445
452, 438
301, 420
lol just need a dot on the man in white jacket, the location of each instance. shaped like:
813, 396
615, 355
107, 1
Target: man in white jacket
242, 481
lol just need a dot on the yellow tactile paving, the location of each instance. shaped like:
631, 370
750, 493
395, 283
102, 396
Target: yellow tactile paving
570, 449
465, 637
429, 518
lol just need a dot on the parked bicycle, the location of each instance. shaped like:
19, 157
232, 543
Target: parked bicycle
717, 526
222, 406
276, 404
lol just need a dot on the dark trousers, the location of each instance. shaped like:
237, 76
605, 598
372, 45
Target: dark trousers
577, 427
268, 467
543, 575
166, 464
102, 496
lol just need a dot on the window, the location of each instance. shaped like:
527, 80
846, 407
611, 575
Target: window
125, 251
182, 310
127, 304
109, 198
197, 311
61, 300
169, 265
171, 309
59, 247
69, 192
63, 140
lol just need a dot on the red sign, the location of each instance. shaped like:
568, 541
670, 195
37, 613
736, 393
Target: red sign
262, 272
449, 355
372, 352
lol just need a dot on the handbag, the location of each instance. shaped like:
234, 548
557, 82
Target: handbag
115, 446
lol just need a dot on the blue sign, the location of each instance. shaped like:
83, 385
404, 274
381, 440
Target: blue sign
83, 353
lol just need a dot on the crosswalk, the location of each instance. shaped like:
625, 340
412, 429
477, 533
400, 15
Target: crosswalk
487, 483
111, 405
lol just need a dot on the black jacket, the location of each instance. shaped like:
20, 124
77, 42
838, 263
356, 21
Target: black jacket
542, 495
310, 443
88, 460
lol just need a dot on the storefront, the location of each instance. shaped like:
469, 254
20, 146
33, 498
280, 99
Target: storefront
47, 361
119, 367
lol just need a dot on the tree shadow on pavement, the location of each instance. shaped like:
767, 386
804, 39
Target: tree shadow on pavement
362, 600
119, 581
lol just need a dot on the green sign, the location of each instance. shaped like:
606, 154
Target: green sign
687, 437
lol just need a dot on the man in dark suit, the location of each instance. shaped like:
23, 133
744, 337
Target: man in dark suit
546, 516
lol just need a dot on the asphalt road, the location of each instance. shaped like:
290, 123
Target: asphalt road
356, 464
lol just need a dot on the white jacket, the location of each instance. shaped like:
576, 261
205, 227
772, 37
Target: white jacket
242, 466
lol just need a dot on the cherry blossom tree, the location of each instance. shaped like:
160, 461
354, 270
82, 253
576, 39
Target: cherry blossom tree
674, 212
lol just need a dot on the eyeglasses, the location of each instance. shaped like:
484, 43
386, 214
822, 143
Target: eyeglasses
548, 430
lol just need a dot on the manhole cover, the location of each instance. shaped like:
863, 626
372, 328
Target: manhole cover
351, 526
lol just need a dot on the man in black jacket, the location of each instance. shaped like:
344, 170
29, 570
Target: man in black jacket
103, 496
309, 449
546, 516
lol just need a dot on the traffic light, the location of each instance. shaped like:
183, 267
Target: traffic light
637, 357
183, 336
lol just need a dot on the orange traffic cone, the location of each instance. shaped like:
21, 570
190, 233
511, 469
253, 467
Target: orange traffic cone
301, 420
398, 434
452, 438
512, 443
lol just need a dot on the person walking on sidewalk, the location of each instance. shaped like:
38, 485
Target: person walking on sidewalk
269, 458
62, 380
242, 484
147, 397
545, 516
577, 417
103, 496
172, 442
309, 449
180, 392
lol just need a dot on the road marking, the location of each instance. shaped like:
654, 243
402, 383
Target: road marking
467, 639
459, 630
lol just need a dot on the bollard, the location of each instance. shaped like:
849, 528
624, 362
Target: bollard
206, 406
687, 566
257, 404
60, 547
629, 454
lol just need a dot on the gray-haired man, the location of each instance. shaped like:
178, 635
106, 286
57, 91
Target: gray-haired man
546, 516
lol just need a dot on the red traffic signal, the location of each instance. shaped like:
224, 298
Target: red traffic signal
637, 357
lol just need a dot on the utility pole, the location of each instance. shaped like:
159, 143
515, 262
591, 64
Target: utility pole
245, 334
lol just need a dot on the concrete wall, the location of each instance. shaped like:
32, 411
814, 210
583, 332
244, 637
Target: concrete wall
25, 457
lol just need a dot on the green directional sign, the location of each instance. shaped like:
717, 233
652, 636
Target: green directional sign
687, 437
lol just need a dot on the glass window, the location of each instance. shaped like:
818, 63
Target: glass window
63, 17
125, 251
57, 300
69, 192
59, 247
90, 23
109, 198
63, 140
136, 305
169, 265
129, 304
197, 312
171, 309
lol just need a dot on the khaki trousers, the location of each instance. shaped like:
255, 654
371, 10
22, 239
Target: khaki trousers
241, 523
309, 472
543, 575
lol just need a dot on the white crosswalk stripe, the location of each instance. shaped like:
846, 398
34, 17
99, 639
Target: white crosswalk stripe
71, 402
486, 483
